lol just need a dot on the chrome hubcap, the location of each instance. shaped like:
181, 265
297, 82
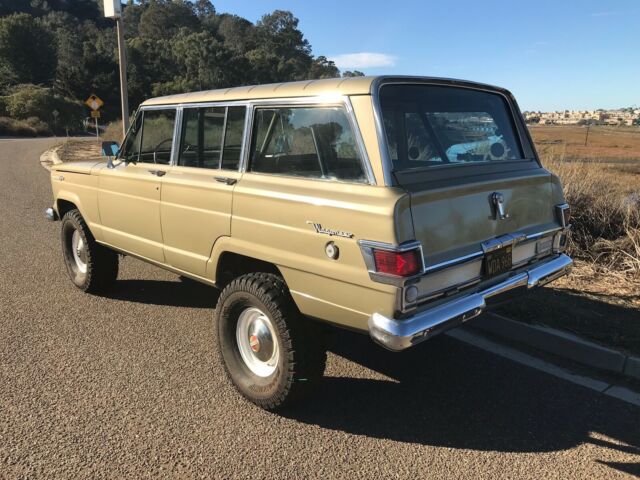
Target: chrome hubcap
79, 251
257, 342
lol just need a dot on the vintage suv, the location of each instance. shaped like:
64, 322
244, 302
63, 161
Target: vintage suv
397, 206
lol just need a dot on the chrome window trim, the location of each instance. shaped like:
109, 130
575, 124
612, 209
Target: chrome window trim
176, 129
317, 100
177, 133
378, 83
342, 102
224, 136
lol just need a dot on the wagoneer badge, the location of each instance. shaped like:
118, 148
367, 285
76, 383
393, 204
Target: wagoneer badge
497, 200
329, 231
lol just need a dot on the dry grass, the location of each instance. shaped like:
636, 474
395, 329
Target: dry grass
604, 192
79, 150
113, 132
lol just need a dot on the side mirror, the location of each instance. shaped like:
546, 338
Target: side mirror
109, 150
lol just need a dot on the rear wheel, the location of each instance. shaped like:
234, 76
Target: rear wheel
271, 353
91, 267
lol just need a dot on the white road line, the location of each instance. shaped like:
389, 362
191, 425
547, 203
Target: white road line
621, 393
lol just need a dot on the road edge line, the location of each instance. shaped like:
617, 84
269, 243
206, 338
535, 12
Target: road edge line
561, 344
477, 340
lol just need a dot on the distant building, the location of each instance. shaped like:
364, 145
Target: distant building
624, 116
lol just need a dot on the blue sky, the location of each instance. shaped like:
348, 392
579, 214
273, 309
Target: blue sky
552, 54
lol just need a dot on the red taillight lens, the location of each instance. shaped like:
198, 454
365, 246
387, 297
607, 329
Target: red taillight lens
401, 264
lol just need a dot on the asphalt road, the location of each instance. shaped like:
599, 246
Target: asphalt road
128, 386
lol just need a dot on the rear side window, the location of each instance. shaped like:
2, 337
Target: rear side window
157, 136
312, 142
429, 126
211, 137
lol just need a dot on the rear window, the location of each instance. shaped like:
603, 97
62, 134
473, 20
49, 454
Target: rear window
436, 126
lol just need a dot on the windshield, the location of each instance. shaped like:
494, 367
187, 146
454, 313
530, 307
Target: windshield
434, 126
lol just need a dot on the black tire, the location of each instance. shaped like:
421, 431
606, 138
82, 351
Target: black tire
302, 353
101, 263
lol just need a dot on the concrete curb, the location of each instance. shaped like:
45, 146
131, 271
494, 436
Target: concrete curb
50, 157
562, 344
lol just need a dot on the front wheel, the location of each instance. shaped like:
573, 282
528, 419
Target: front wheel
91, 267
271, 353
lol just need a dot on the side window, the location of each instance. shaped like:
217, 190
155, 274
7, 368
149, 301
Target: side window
130, 150
201, 143
233, 138
157, 136
312, 142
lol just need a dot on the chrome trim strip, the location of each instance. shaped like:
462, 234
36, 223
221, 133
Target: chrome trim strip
398, 335
362, 149
224, 136
560, 208
246, 139
177, 133
521, 238
454, 261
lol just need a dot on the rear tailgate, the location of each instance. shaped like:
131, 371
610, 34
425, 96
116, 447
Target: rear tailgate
453, 221
481, 203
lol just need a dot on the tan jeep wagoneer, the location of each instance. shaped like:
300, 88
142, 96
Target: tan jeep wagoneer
397, 206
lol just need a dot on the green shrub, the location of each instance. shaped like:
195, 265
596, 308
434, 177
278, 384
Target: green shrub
32, 101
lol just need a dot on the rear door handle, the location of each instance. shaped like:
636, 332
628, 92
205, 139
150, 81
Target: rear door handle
158, 173
226, 180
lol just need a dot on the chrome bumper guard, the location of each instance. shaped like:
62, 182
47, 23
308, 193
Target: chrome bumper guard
398, 335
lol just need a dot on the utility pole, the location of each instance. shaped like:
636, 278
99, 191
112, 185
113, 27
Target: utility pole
113, 9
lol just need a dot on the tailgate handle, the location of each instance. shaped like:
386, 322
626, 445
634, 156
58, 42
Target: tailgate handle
226, 180
158, 173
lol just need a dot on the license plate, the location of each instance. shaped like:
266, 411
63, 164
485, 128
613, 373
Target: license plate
498, 261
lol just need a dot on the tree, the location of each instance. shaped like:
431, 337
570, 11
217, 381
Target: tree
163, 19
27, 51
204, 8
282, 49
204, 62
321, 67
352, 73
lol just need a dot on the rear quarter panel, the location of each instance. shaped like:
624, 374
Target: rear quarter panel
273, 220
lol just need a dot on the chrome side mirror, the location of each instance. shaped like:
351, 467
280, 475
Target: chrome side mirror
110, 149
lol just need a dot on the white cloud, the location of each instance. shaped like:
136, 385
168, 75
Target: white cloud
364, 60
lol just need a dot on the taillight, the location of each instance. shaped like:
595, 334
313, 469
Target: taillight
400, 264
563, 212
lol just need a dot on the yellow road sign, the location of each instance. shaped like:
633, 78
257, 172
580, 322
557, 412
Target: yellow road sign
94, 102
95, 114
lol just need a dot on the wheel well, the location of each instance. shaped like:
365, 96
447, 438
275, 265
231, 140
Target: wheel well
232, 265
64, 206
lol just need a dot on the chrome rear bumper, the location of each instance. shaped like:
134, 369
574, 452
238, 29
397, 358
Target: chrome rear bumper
401, 334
